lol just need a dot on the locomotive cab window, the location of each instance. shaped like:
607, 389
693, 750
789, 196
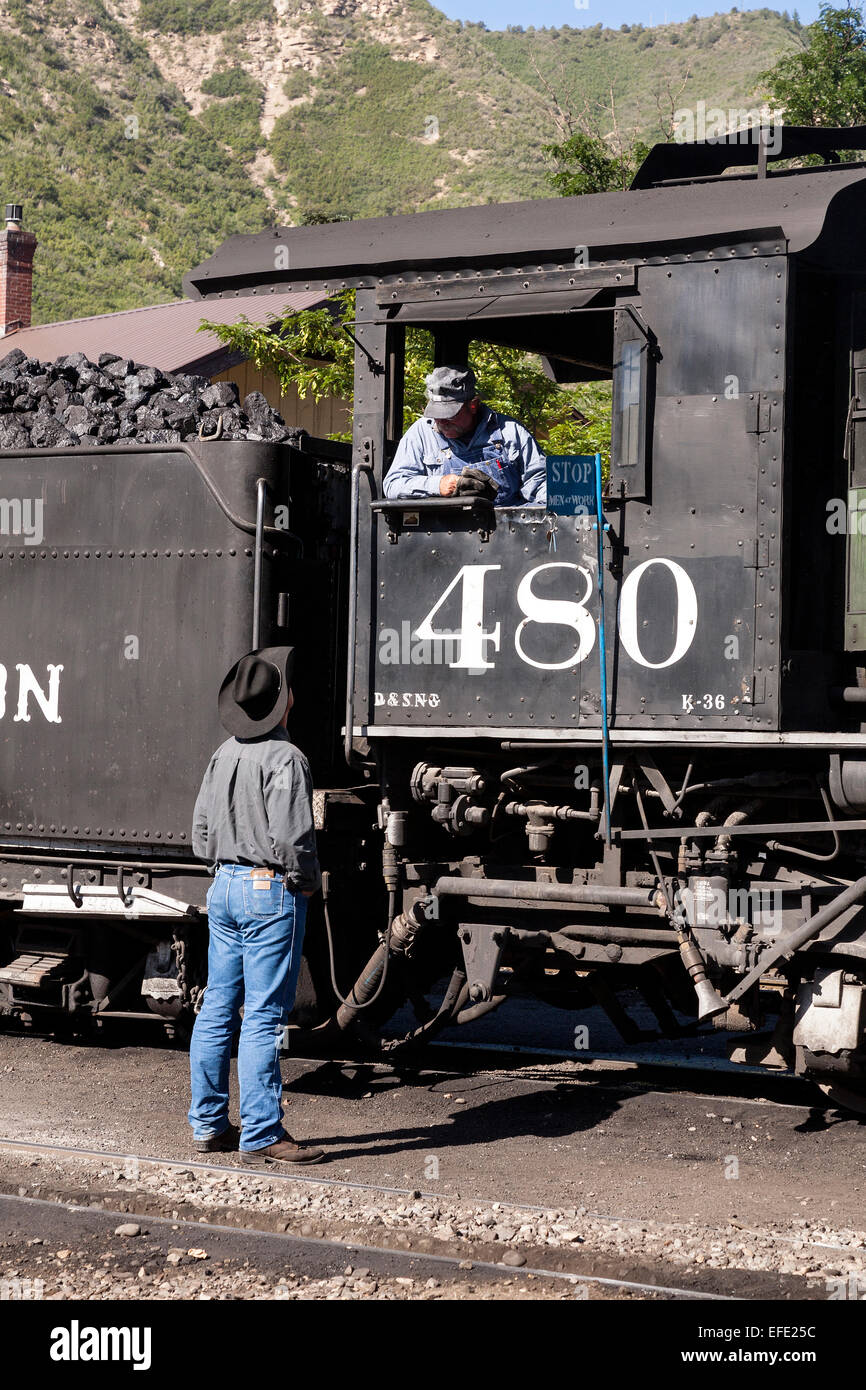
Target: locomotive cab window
554, 382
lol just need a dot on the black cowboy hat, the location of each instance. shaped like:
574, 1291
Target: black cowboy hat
255, 694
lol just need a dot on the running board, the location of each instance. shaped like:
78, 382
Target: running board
102, 900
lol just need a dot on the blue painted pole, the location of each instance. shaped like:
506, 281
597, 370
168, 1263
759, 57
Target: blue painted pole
602, 649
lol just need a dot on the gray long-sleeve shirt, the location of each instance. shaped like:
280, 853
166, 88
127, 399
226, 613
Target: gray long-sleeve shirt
255, 807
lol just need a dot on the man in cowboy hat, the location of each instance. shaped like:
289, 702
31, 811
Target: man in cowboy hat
460, 447
253, 820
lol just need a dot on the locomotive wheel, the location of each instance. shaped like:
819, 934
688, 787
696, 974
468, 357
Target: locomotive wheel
846, 1097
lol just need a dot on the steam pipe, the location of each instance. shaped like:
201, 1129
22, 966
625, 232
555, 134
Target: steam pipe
597, 894
524, 809
738, 817
621, 936
778, 848
792, 941
479, 1010
454, 1000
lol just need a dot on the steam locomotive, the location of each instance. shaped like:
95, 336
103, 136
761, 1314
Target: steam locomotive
555, 755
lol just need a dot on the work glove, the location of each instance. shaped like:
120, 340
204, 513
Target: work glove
474, 482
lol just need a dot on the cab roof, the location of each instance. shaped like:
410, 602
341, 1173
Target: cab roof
674, 206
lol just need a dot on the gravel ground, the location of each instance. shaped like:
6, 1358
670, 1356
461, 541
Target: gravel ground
54, 1254
690, 1188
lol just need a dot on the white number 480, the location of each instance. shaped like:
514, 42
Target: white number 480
471, 642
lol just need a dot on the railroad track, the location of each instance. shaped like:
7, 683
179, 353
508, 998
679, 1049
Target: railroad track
385, 1257
307, 1177
456, 1265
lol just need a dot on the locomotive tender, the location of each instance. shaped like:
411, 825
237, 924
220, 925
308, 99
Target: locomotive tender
450, 688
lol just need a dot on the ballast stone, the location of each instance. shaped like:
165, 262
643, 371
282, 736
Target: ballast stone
74, 402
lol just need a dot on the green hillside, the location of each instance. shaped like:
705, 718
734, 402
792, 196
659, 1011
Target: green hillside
651, 71
140, 133
122, 187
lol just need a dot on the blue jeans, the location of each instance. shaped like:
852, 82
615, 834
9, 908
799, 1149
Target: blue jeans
254, 956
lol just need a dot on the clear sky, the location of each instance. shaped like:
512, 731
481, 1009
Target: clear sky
497, 14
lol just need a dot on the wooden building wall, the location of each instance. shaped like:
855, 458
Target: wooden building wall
330, 416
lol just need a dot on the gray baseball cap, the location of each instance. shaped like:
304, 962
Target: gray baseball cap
448, 390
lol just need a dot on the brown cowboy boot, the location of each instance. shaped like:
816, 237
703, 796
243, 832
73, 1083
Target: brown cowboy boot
285, 1150
225, 1142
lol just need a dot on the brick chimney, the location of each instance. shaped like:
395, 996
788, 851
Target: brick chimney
16, 272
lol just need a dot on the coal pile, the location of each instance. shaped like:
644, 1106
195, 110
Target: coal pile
76, 402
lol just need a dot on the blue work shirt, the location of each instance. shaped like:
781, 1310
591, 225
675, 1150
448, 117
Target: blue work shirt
500, 446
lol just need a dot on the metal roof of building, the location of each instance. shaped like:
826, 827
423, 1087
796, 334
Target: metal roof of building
640, 222
162, 335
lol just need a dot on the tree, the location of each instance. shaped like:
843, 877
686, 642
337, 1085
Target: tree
825, 85
594, 154
585, 164
311, 351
